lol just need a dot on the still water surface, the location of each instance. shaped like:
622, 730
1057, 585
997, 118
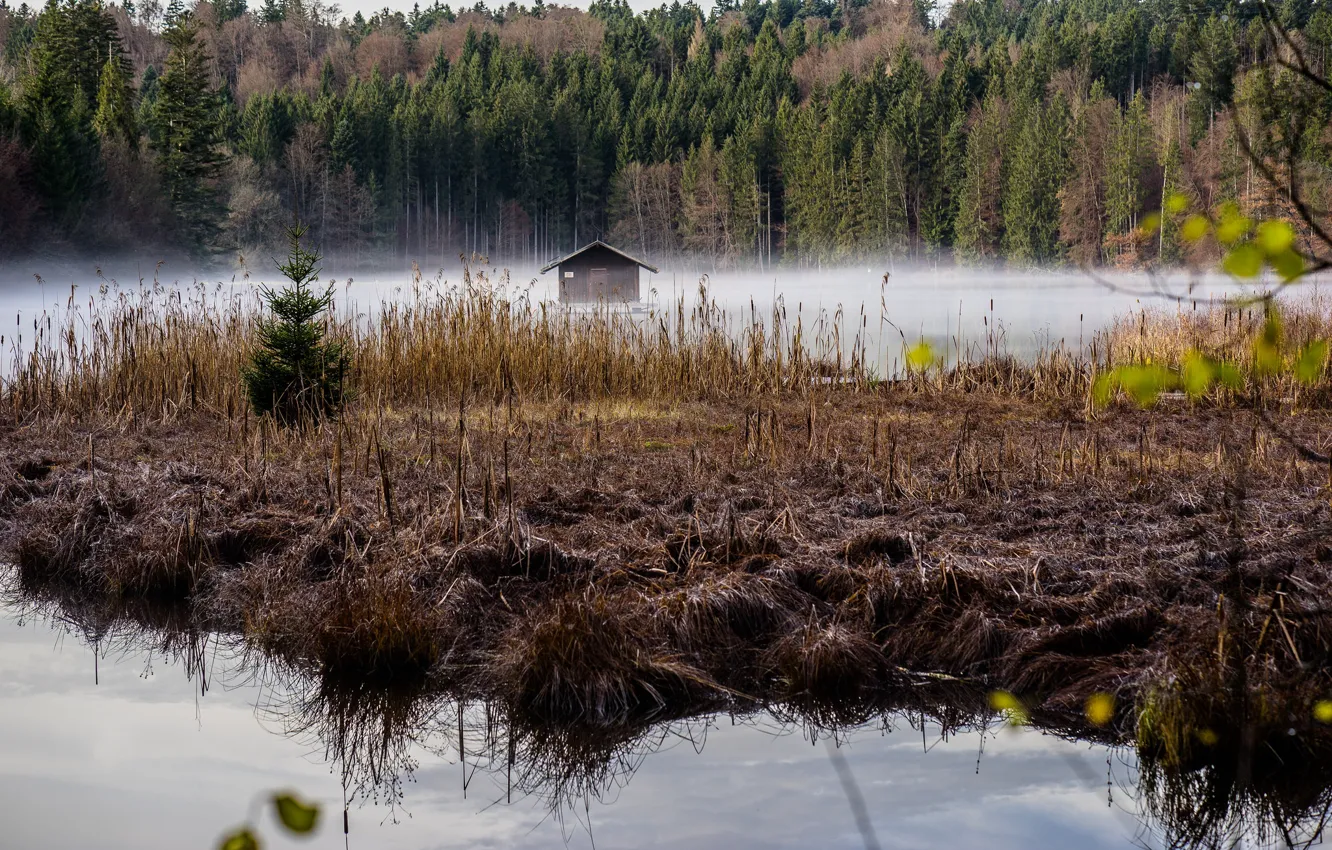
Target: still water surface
120, 749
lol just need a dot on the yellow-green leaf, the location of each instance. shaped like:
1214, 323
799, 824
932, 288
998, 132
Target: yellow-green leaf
1309, 366
1144, 383
1010, 706
1323, 711
1232, 229
920, 356
1195, 227
1197, 374
1243, 260
1271, 332
1176, 203
296, 816
1288, 264
241, 839
1229, 376
1100, 709
1104, 387
1151, 223
1275, 237
1266, 358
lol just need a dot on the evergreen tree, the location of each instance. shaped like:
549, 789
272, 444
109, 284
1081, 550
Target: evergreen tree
149, 86
296, 373
275, 11
56, 122
979, 221
1212, 64
115, 117
228, 10
1035, 173
1130, 157
186, 137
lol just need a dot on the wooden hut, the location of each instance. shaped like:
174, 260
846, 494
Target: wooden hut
598, 272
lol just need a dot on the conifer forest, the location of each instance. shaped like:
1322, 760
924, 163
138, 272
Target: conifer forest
765, 133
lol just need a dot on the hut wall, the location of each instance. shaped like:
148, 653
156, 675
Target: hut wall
598, 275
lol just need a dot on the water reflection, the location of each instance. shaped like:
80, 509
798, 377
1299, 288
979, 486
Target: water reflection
453, 769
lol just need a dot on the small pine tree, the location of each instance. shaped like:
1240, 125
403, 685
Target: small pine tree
297, 374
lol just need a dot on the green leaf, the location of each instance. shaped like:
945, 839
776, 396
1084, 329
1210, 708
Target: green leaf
1144, 383
1176, 203
1288, 264
241, 839
1104, 388
1229, 376
1271, 333
1232, 229
1275, 237
1267, 347
1309, 366
296, 816
1150, 223
1197, 374
1243, 260
920, 356
1011, 707
1266, 359
1195, 227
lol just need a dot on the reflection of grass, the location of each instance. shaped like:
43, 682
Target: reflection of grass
1267, 795
1241, 785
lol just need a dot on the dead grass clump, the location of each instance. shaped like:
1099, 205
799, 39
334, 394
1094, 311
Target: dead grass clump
831, 661
971, 642
373, 623
878, 543
61, 538
34, 468
1101, 634
249, 538
592, 658
726, 613
540, 561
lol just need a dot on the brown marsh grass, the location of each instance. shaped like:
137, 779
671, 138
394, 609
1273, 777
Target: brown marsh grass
599, 517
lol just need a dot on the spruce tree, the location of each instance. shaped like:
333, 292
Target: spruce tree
979, 222
187, 131
115, 117
296, 373
1132, 154
1214, 61
56, 122
1036, 170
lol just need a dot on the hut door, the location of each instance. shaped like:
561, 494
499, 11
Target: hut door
596, 284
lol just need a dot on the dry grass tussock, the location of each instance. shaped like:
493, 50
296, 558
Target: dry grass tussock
597, 518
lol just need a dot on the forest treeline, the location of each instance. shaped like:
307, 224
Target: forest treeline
760, 133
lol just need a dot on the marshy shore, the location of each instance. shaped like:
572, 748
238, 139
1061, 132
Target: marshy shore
596, 521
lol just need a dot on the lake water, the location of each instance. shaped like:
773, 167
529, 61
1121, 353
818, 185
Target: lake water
119, 748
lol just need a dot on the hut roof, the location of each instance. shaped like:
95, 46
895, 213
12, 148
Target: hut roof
598, 244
